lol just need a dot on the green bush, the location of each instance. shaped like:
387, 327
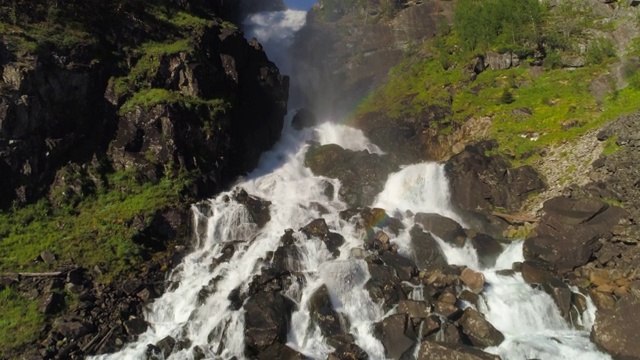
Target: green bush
600, 50
553, 60
507, 97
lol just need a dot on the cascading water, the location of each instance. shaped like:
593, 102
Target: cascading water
199, 314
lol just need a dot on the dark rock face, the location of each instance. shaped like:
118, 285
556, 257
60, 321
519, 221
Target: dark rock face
446, 229
428, 254
280, 352
479, 330
266, 321
258, 208
615, 330
384, 286
61, 106
361, 174
569, 232
535, 273
333, 65
482, 182
397, 336
318, 228
323, 314
303, 119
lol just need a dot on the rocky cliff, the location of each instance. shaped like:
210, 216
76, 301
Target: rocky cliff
157, 89
347, 48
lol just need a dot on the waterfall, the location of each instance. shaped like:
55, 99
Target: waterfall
200, 312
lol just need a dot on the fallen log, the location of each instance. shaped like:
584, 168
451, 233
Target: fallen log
44, 274
515, 219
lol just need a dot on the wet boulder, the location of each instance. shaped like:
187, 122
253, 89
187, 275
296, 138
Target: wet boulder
473, 279
348, 351
446, 229
318, 228
397, 336
361, 174
442, 351
487, 247
323, 314
405, 268
257, 207
616, 329
427, 252
384, 286
266, 321
536, 273
279, 351
570, 231
414, 309
479, 331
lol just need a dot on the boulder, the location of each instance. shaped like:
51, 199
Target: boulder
427, 252
536, 274
430, 350
323, 314
484, 182
616, 330
362, 175
474, 280
397, 336
414, 309
384, 286
135, 326
405, 268
318, 228
266, 321
487, 247
497, 61
73, 328
166, 346
569, 232
279, 351
258, 208
446, 229
348, 351
50, 303
479, 331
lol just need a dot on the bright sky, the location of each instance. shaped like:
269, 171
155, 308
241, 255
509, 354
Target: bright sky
300, 4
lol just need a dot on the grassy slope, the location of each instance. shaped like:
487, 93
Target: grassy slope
559, 99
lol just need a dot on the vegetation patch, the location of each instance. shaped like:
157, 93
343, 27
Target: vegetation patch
530, 110
100, 229
20, 321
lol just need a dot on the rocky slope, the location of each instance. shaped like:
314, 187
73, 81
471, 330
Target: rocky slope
132, 109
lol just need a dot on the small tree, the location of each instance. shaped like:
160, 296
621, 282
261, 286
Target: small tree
507, 97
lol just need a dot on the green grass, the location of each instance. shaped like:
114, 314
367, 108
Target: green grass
562, 106
20, 321
97, 231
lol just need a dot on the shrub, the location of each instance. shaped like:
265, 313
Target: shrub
553, 60
507, 97
599, 50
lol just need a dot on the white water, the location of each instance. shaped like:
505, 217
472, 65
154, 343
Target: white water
529, 319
